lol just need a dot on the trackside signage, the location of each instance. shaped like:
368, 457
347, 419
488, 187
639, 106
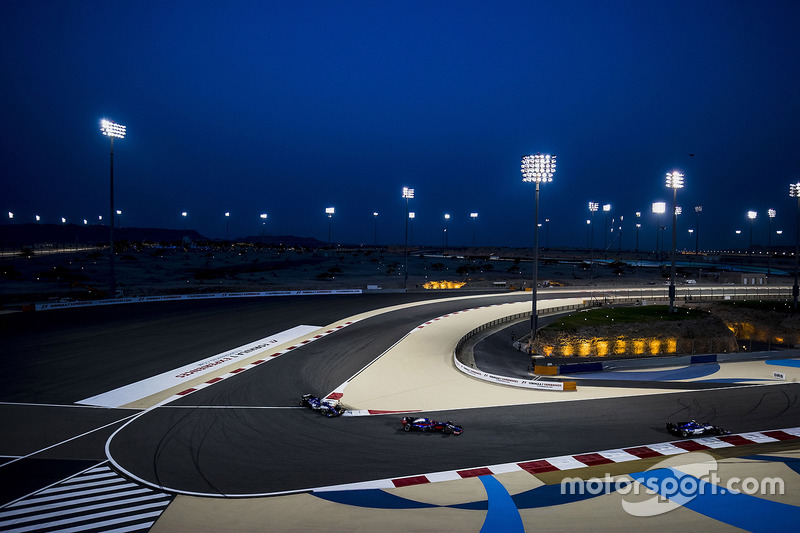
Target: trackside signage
141, 299
503, 380
179, 376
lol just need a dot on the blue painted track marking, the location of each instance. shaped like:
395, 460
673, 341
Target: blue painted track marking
784, 362
736, 509
689, 372
502, 516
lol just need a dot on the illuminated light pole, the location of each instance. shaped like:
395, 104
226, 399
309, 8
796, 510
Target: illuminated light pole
674, 182
658, 209
446, 220
118, 219
227, 221
697, 209
474, 217
184, 214
10, 217
606, 210
620, 233
770, 214
112, 130
375, 216
408, 194
593, 206
329, 211
410, 219
794, 192
638, 225
63, 220
37, 218
263, 217
752, 216
538, 169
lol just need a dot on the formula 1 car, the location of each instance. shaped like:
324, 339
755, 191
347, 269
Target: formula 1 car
693, 428
329, 408
426, 424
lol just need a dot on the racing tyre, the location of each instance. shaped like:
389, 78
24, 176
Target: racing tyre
407, 427
684, 434
447, 430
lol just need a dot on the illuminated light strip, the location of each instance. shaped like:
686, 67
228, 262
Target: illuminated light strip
582, 460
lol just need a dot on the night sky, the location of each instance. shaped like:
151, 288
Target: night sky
287, 108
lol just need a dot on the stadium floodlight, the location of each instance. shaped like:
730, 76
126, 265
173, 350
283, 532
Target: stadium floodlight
408, 194
674, 182
751, 215
112, 130
474, 217
330, 212
794, 192
536, 168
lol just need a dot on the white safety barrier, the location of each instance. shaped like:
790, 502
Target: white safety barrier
140, 299
514, 382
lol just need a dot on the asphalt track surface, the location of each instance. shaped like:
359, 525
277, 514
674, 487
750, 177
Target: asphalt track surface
245, 436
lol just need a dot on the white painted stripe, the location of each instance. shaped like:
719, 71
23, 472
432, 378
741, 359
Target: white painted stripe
758, 437
505, 468
105, 496
666, 448
565, 462
793, 431
68, 440
57, 511
618, 456
443, 476
81, 484
713, 442
80, 528
173, 378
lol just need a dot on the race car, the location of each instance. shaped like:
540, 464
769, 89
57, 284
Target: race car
693, 428
426, 424
329, 408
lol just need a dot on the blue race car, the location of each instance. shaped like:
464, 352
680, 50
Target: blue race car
692, 428
426, 424
329, 408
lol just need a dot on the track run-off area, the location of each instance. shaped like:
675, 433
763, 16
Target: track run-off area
199, 399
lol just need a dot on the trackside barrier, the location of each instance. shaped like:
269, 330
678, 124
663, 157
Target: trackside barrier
661, 361
611, 296
515, 382
116, 301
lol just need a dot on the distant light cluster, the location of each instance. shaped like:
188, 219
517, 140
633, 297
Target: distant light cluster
538, 168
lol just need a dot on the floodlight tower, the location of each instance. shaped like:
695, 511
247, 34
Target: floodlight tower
697, 209
446, 220
227, 220
263, 217
474, 217
751, 215
606, 210
658, 209
794, 192
112, 130
770, 214
538, 169
375, 216
674, 182
408, 194
638, 225
593, 206
329, 211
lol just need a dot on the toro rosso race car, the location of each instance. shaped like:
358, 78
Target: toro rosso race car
329, 408
693, 428
426, 424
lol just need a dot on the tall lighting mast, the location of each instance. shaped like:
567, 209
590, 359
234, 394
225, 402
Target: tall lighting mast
537, 169
674, 182
112, 130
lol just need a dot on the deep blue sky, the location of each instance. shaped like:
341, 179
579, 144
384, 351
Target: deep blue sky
290, 107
